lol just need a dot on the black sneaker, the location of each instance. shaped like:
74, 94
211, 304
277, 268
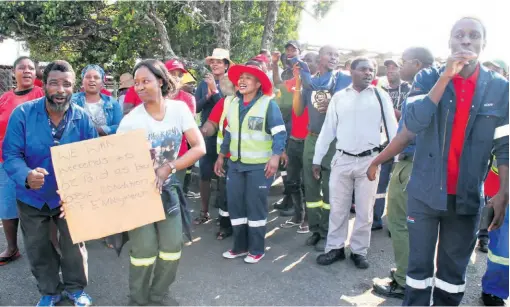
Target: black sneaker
491, 300
389, 289
287, 212
281, 204
360, 261
376, 227
331, 256
314, 239
483, 245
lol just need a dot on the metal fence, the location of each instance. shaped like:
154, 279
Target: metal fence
7, 81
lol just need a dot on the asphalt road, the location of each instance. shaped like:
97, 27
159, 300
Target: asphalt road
288, 275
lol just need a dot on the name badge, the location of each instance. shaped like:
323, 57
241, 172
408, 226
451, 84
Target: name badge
255, 123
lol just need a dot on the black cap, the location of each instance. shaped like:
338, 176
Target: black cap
293, 43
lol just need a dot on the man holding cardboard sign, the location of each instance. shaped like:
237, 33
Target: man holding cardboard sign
35, 127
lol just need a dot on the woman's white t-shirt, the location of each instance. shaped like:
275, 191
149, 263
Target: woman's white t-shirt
165, 136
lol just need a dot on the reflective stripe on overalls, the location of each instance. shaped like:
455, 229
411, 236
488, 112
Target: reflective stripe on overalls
495, 279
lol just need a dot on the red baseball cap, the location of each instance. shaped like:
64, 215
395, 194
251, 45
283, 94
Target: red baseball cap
261, 58
175, 65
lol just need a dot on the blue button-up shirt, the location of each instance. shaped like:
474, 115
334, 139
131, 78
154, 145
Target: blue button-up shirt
27, 146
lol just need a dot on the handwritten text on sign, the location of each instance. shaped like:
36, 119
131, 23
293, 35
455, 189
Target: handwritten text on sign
107, 185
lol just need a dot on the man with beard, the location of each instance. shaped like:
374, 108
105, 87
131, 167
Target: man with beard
413, 60
34, 128
354, 119
316, 94
207, 95
459, 115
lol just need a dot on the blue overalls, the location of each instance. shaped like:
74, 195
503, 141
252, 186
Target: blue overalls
434, 217
247, 185
495, 279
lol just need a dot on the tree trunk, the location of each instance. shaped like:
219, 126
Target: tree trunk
222, 12
269, 25
163, 34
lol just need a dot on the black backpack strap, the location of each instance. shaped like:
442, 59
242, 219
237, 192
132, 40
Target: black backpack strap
382, 114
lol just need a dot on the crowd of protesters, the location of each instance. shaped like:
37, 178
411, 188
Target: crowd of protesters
429, 147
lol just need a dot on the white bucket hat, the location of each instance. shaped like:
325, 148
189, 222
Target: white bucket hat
219, 54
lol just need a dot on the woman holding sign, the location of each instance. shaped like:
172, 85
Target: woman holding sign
165, 121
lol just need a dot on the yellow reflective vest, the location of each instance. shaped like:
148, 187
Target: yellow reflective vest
249, 141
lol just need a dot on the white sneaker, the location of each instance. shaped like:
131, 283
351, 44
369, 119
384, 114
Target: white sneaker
231, 255
253, 259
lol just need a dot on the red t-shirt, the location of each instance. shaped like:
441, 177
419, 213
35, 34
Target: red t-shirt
8, 102
132, 97
464, 91
189, 100
38, 82
299, 127
215, 116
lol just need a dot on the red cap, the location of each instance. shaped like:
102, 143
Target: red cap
261, 58
175, 65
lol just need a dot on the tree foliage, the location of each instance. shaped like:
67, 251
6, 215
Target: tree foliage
115, 34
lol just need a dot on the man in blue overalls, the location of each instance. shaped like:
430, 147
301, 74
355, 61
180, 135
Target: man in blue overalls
459, 114
255, 137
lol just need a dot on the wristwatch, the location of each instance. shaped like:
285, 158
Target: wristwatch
172, 168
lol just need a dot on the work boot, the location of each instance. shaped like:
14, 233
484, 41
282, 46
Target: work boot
389, 289
313, 239
331, 256
321, 245
492, 300
360, 261
483, 245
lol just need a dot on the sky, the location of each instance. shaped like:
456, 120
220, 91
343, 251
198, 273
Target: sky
393, 25
10, 50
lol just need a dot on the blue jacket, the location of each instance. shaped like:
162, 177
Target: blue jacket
27, 145
485, 133
205, 105
111, 107
273, 119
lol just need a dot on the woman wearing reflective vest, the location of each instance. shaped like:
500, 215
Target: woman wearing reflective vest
495, 280
255, 138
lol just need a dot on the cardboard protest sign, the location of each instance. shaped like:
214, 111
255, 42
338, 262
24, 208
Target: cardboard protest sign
107, 185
